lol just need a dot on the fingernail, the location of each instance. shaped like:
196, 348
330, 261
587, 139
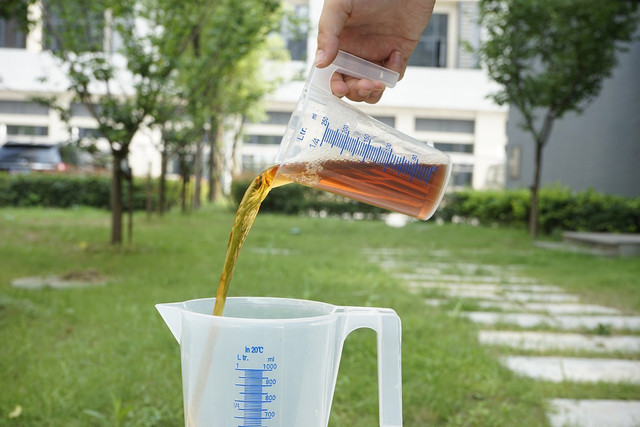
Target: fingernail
319, 57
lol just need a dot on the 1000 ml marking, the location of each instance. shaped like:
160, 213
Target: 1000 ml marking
255, 378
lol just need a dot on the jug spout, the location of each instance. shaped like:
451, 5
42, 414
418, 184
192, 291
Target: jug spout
172, 315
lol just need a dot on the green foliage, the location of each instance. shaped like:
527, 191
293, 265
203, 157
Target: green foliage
294, 199
554, 53
18, 10
551, 57
66, 191
559, 209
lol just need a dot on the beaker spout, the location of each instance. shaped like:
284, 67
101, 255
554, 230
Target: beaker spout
172, 316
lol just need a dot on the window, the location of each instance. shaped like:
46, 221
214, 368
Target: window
85, 35
294, 32
11, 35
445, 125
276, 118
89, 133
431, 50
387, 120
461, 176
27, 130
81, 110
23, 107
263, 139
514, 159
453, 148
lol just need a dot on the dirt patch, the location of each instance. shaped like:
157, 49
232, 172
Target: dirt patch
70, 279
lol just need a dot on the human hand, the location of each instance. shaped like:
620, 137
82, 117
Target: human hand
381, 31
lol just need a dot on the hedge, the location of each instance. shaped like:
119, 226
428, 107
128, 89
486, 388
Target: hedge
68, 190
560, 209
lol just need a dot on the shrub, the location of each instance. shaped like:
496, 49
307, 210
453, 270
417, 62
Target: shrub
559, 209
67, 190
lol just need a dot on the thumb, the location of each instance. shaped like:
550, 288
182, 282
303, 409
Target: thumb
332, 20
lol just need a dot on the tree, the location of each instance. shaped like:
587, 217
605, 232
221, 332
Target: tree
222, 39
119, 89
18, 10
551, 57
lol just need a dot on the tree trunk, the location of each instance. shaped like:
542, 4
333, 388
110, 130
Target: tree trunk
235, 167
148, 202
116, 198
216, 161
198, 175
535, 186
541, 140
130, 206
185, 180
214, 164
163, 179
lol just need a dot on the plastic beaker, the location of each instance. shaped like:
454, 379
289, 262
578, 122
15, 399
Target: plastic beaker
273, 362
331, 145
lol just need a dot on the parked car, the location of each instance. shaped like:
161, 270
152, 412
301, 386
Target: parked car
21, 157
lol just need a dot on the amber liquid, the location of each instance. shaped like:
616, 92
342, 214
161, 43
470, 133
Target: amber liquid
246, 214
416, 195
414, 190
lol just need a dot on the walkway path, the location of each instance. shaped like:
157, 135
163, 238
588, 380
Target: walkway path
522, 315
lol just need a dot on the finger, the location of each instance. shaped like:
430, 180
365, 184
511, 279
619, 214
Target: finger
332, 20
396, 62
364, 90
338, 86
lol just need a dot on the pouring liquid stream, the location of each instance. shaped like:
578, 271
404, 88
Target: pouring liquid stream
368, 182
245, 215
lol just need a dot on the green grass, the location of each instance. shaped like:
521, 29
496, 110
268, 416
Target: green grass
102, 355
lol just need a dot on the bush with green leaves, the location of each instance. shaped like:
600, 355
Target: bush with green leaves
68, 190
560, 209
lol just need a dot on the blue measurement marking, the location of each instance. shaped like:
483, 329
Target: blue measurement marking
253, 397
379, 155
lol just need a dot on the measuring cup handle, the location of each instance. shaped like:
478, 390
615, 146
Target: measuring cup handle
351, 65
389, 338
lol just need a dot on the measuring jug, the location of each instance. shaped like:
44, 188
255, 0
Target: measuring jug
273, 362
333, 146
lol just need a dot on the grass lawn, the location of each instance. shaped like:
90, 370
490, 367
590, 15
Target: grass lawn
101, 355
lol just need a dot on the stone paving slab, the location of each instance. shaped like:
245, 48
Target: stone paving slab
524, 320
532, 288
483, 287
506, 279
489, 287
594, 413
540, 297
569, 308
546, 341
536, 307
528, 320
558, 369
595, 322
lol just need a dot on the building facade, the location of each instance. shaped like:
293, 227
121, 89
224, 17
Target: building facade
442, 100
598, 150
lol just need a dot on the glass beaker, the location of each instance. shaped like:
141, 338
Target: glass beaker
273, 362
